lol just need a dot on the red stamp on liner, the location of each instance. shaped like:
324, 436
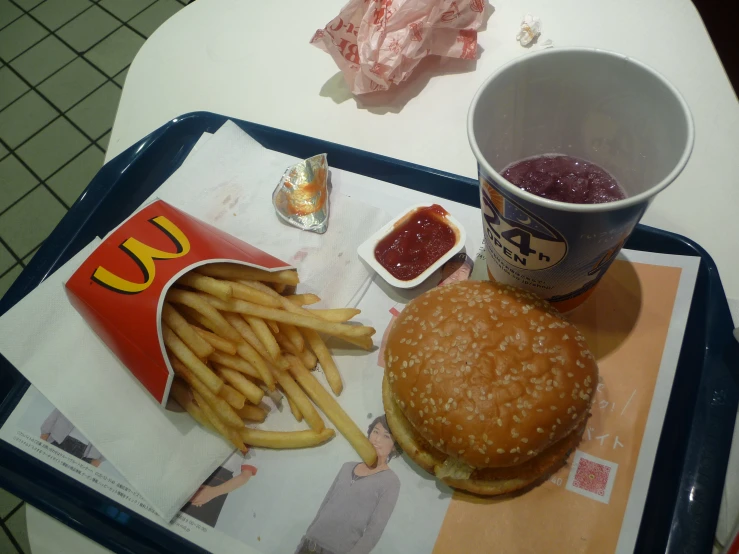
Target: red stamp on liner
592, 477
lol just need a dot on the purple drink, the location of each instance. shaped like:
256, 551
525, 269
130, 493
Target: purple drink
564, 179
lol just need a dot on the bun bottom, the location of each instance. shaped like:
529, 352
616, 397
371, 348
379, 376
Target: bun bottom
485, 481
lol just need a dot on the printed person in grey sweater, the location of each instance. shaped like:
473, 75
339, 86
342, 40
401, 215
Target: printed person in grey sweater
59, 431
359, 503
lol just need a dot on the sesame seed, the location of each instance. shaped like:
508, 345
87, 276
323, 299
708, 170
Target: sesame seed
539, 430
501, 451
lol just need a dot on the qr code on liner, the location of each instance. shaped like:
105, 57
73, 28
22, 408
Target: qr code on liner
592, 477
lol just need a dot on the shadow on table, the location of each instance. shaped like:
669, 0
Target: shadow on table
610, 315
395, 99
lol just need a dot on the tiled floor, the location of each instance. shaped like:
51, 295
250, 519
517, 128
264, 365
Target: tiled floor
13, 537
62, 67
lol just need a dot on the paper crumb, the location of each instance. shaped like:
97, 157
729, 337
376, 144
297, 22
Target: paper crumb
530, 29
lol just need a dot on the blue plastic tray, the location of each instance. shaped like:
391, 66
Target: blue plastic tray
685, 491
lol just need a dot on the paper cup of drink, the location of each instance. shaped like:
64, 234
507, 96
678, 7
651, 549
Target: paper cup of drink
555, 131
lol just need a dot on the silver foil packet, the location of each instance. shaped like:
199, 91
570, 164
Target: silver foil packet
301, 197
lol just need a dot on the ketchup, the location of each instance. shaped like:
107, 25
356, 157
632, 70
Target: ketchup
416, 243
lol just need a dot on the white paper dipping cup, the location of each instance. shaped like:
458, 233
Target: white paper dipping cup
599, 106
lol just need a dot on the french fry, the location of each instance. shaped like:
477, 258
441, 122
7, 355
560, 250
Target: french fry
252, 413
324, 357
362, 342
247, 352
252, 392
245, 292
285, 439
297, 414
219, 405
237, 363
196, 302
252, 329
182, 329
365, 343
261, 287
217, 288
196, 318
216, 342
234, 398
337, 315
306, 356
182, 353
236, 440
282, 316
333, 411
302, 299
262, 331
237, 272
292, 333
238, 322
293, 391
183, 396
219, 425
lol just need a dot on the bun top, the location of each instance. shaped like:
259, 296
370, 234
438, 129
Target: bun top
487, 373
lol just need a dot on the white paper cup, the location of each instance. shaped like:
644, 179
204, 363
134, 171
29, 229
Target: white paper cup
603, 107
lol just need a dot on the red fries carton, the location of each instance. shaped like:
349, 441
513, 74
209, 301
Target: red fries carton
119, 289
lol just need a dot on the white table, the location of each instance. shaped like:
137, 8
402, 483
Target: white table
226, 56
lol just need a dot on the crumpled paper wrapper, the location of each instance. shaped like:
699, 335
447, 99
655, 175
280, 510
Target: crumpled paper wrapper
530, 29
301, 196
378, 43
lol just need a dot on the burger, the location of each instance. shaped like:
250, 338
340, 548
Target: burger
486, 386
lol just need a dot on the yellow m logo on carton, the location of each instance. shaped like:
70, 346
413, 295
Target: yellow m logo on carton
144, 256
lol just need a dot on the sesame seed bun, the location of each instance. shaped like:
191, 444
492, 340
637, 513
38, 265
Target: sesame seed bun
493, 385
487, 481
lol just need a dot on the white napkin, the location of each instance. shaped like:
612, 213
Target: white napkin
228, 180
164, 455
